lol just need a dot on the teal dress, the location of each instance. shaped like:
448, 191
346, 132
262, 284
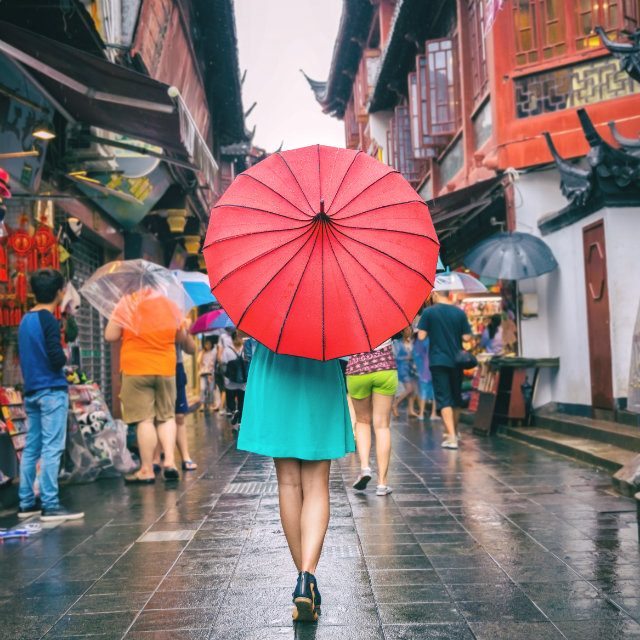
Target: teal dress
295, 408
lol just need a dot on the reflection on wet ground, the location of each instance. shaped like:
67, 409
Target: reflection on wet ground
495, 541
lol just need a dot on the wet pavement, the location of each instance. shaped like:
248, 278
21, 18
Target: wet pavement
495, 541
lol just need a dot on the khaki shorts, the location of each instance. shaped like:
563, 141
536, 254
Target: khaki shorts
148, 398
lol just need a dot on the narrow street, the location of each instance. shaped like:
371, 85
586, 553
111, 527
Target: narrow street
495, 541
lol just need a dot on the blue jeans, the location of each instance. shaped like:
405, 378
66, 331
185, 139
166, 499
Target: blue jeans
47, 419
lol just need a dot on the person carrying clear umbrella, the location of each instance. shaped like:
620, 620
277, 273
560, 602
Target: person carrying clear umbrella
146, 306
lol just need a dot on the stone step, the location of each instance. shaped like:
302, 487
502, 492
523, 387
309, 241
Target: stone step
606, 456
608, 432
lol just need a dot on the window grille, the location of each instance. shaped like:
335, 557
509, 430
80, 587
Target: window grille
438, 91
405, 163
479, 74
419, 151
351, 127
548, 29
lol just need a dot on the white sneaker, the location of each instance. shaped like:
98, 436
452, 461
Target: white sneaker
383, 490
450, 443
363, 480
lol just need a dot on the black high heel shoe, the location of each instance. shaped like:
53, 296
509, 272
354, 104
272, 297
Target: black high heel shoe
305, 598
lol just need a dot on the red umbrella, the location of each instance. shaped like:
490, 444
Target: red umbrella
321, 252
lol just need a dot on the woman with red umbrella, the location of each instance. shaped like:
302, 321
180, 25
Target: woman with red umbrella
317, 253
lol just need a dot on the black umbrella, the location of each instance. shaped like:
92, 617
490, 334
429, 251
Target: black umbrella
511, 256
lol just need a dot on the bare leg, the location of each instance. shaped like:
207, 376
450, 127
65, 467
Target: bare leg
422, 405
362, 410
290, 497
413, 398
434, 411
381, 419
181, 438
157, 454
314, 518
456, 419
147, 441
449, 421
167, 435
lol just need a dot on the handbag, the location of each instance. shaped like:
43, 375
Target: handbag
236, 370
466, 360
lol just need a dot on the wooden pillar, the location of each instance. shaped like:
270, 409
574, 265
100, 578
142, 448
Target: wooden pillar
466, 88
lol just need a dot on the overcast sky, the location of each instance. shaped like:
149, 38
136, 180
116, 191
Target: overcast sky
276, 38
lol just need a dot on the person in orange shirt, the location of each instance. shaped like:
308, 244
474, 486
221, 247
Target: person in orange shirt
148, 367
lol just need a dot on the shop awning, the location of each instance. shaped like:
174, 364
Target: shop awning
92, 91
462, 218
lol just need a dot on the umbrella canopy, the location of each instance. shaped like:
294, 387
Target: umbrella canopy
457, 281
131, 291
204, 322
196, 285
511, 256
321, 252
223, 321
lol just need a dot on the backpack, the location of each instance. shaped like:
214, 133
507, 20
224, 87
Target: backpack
236, 370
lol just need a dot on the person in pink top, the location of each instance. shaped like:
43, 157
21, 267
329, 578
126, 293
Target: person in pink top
372, 382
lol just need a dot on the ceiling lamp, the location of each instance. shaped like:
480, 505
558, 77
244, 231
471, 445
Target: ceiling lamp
192, 244
177, 219
43, 131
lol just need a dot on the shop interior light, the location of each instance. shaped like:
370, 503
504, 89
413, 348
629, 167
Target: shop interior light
43, 131
482, 298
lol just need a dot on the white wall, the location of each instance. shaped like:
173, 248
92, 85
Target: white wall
561, 326
622, 233
378, 126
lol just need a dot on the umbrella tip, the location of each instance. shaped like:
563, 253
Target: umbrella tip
321, 205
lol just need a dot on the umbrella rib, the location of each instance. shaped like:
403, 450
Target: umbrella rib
293, 175
375, 182
374, 278
277, 273
255, 258
295, 293
322, 231
384, 206
256, 233
244, 206
384, 253
264, 184
344, 177
353, 298
408, 233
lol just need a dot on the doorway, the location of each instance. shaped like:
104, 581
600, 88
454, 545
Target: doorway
599, 325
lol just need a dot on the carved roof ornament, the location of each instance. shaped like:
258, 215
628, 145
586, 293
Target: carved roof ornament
576, 183
612, 172
609, 163
627, 52
628, 144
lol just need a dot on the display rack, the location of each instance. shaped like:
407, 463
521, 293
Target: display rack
13, 434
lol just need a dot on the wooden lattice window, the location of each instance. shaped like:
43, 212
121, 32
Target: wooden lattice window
367, 71
548, 29
404, 160
352, 133
479, 75
608, 14
438, 93
541, 30
419, 151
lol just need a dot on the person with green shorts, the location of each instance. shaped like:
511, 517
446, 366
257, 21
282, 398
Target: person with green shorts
372, 382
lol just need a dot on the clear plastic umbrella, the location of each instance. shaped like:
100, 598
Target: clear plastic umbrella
458, 281
138, 295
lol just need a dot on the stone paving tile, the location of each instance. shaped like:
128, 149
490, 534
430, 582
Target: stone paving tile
495, 541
